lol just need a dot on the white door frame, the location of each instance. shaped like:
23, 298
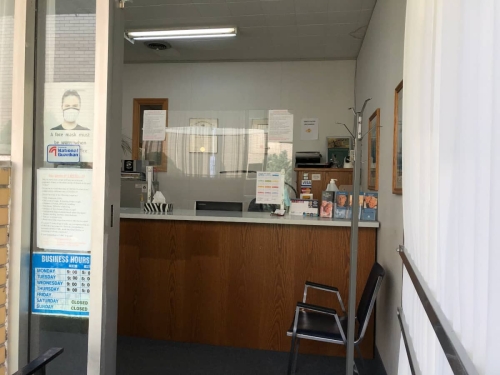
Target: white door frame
23, 75
106, 186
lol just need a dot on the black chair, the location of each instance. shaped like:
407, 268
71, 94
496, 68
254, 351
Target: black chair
319, 323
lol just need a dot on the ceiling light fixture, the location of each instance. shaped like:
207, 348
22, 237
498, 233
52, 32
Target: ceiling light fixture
220, 32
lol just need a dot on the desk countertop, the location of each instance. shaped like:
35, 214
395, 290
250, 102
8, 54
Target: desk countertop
240, 217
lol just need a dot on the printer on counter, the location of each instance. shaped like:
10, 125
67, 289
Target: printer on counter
309, 159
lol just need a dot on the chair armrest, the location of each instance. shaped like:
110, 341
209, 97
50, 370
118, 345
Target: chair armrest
326, 288
321, 309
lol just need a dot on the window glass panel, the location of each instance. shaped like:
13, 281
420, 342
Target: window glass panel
6, 59
60, 277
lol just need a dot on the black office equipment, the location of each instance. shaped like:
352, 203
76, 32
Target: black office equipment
219, 206
307, 157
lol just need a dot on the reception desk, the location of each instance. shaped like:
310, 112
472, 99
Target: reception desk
233, 279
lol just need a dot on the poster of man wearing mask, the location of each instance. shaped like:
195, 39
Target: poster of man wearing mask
68, 116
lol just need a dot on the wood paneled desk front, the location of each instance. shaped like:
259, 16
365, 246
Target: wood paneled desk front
233, 280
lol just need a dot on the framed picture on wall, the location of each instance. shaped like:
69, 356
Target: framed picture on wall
373, 149
203, 138
339, 142
397, 156
338, 149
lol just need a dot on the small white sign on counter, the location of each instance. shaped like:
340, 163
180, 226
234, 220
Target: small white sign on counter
280, 126
64, 209
269, 188
153, 127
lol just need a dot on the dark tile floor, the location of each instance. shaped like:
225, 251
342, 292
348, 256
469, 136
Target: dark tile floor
148, 357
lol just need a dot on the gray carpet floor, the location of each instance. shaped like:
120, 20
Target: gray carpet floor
148, 357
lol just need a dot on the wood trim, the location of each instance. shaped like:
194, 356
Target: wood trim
395, 141
375, 114
136, 128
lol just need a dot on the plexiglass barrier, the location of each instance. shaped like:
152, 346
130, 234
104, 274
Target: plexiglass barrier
215, 156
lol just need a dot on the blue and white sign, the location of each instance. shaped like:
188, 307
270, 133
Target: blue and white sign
63, 153
61, 284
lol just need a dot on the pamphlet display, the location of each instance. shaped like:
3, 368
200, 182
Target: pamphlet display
341, 205
360, 203
61, 284
64, 209
326, 209
370, 207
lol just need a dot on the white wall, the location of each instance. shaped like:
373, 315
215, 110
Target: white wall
236, 90
379, 71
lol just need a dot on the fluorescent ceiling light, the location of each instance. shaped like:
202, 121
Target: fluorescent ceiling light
182, 33
184, 37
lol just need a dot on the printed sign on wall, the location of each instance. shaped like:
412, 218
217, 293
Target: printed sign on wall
61, 284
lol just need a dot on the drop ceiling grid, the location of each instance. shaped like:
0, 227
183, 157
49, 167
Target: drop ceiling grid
268, 29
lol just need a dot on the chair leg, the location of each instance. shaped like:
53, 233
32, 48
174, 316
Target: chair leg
361, 357
291, 358
296, 355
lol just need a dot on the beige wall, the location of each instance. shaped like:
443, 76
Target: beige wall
379, 71
233, 93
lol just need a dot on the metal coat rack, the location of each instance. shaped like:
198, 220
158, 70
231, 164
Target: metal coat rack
358, 135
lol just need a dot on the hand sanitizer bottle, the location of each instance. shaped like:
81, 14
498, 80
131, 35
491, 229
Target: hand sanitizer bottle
332, 186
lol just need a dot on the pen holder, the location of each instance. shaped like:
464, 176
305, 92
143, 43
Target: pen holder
158, 207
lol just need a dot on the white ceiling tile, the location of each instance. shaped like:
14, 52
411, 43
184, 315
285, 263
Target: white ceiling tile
341, 28
208, 1
365, 16
312, 51
278, 7
250, 21
313, 40
368, 4
174, 22
343, 17
312, 18
245, 8
283, 31
142, 3
311, 6
343, 47
161, 11
281, 20
213, 10
253, 32
285, 41
345, 5
308, 30
268, 29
